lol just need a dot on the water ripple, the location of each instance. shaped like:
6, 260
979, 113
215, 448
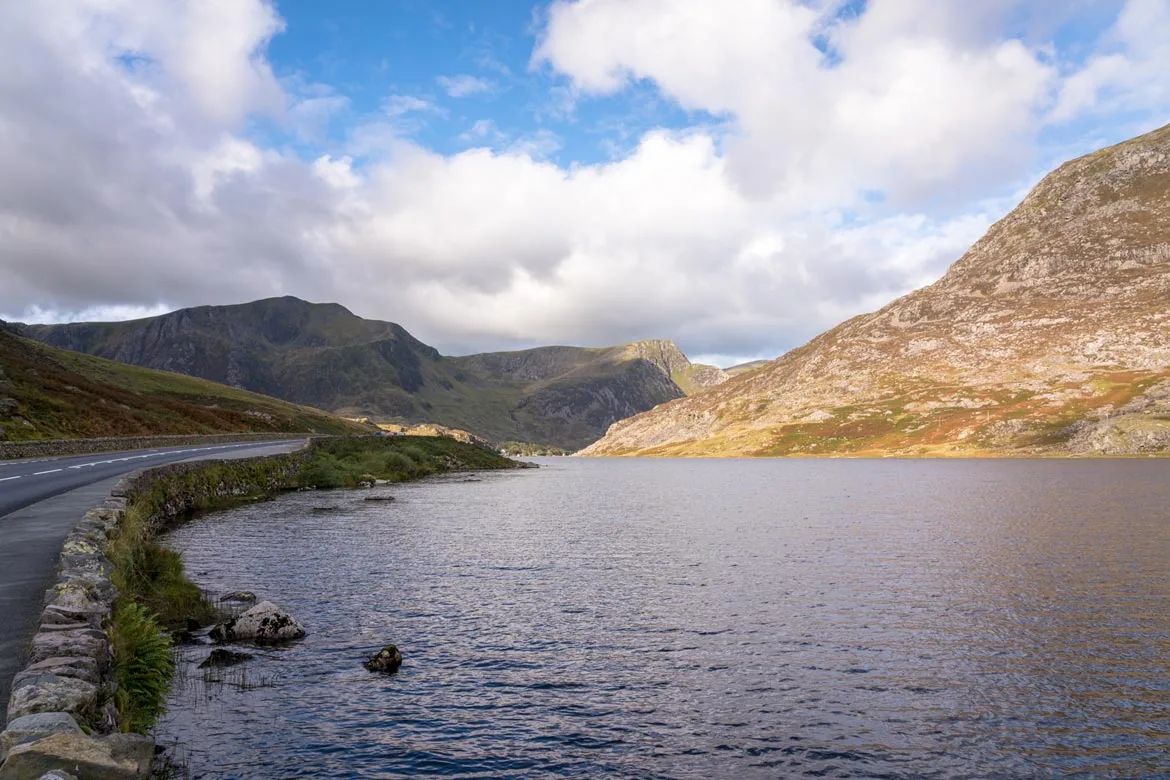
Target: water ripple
679, 619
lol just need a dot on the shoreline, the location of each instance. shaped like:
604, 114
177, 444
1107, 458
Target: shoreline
68, 705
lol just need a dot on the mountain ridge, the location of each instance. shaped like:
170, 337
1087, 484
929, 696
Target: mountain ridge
323, 355
1049, 335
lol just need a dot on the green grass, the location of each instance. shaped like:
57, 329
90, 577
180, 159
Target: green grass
344, 462
63, 394
143, 666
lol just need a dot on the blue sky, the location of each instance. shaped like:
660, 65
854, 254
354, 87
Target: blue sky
735, 176
446, 70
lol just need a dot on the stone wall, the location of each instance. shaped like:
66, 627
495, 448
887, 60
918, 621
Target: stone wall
48, 448
67, 682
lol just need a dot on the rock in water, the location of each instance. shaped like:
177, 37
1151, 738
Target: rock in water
388, 659
221, 657
239, 595
264, 624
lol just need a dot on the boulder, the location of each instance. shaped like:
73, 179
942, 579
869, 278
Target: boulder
388, 659
222, 657
116, 757
58, 774
54, 615
245, 596
30, 728
77, 667
367, 481
383, 497
264, 624
8, 407
71, 643
50, 693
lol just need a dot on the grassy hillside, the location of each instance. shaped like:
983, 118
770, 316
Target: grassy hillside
54, 393
324, 356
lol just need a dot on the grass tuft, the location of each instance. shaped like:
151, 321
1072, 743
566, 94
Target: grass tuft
143, 666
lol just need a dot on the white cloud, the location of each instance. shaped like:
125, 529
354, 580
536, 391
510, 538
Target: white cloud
914, 98
464, 85
1130, 77
836, 183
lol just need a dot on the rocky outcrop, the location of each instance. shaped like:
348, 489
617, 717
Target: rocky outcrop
264, 624
1051, 335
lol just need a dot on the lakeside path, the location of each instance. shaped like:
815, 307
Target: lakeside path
40, 502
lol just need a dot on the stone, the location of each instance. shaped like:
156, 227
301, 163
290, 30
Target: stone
58, 774
53, 615
30, 728
380, 498
8, 407
78, 667
95, 584
50, 693
75, 598
263, 624
221, 657
239, 595
116, 757
85, 643
367, 481
388, 659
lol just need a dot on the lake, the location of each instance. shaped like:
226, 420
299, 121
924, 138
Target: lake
698, 619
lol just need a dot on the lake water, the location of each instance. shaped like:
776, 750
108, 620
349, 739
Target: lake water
699, 618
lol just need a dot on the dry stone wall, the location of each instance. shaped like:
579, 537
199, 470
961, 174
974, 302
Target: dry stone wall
49, 448
67, 683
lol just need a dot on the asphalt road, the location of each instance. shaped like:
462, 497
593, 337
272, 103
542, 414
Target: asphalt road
40, 502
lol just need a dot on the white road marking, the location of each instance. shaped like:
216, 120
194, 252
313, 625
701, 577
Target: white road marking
130, 457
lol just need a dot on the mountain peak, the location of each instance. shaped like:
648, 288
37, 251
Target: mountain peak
1050, 332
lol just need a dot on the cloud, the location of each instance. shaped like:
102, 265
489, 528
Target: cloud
1132, 76
852, 157
464, 85
912, 96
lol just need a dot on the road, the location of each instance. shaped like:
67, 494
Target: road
40, 502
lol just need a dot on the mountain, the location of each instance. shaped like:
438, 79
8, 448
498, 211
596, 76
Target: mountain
323, 355
1051, 335
743, 368
47, 392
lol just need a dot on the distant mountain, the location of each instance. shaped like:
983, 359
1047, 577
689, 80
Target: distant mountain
1051, 335
323, 355
47, 392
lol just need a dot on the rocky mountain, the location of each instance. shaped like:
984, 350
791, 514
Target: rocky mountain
1050, 335
322, 355
47, 392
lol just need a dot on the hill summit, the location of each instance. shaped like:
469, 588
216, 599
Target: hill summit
1051, 334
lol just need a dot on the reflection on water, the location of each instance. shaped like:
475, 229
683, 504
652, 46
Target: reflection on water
697, 618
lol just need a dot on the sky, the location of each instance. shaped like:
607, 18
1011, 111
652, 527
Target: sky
737, 176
